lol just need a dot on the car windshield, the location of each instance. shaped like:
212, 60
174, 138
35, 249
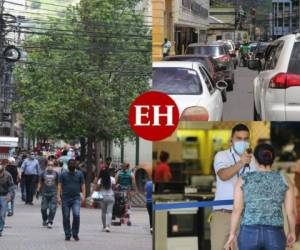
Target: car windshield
192, 59
295, 60
176, 81
206, 50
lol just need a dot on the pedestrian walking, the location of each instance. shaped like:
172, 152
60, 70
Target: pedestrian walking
22, 158
166, 47
65, 159
48, 185
30, 170
13, 170
126, 182
6, 192
107, 185
149, 201
70, 184
258, 201
42, 161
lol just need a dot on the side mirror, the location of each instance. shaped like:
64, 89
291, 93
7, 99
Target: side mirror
221, 85
254, 64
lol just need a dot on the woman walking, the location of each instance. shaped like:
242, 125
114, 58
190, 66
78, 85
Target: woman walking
258, 200
107, 183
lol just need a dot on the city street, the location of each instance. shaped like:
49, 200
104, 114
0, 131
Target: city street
239, 105
24, 231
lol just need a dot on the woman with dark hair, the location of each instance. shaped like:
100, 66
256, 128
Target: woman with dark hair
258, 201
107, 183
162, 171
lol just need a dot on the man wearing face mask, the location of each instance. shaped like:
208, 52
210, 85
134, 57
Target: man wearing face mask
229, 165
6, 192
71, 182
30, 171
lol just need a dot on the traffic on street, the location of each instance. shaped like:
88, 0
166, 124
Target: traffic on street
248, 81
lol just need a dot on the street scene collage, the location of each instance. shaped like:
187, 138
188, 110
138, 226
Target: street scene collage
150, 124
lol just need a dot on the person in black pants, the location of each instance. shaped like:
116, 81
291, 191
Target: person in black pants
30, 170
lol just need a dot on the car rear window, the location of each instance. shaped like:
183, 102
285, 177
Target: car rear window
206, 50
294, 65
205, 62
176, 81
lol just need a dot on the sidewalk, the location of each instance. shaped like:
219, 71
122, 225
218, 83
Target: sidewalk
24, 231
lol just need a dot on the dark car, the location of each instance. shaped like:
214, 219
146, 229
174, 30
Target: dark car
218, 51
215, 70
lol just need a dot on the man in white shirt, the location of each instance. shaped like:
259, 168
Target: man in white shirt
229, 165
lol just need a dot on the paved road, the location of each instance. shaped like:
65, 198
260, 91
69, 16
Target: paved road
239, 105
24, 232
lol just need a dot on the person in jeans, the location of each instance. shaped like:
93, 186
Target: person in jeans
48, 187
258, 201
12, 168
6, 192
229, 164
30, 169
70, 184
149, 201
107, 183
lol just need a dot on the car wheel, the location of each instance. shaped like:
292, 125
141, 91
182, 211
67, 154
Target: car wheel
224, 96
230, 86
256, 116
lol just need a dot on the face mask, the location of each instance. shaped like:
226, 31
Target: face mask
240, 146
72, 168
32, 156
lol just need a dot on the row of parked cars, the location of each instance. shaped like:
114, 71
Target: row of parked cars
198, 81
277, 85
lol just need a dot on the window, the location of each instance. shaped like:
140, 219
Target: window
272, 55
207, 79
295, 60
176, 81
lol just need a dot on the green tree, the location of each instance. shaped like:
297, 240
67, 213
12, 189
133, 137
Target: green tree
83, 72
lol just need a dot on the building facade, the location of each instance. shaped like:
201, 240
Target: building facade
285, 17
181, 21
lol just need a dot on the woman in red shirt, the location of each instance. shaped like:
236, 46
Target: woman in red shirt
162, 170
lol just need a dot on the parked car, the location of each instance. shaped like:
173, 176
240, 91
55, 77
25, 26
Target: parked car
231, 47
191, 87
260, 50
219, 52
214, 69
277, 86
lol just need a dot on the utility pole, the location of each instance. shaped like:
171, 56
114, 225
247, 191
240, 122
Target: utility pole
2, 62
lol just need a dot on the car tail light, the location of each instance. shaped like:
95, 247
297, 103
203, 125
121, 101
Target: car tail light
195, 114
284, 80
224, 58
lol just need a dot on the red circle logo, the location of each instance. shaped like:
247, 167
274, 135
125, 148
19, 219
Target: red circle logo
153, 116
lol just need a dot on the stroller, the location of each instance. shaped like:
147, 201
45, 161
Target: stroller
121, 208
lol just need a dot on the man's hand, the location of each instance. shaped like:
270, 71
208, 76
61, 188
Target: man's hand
8, 198
58, 199
245, 159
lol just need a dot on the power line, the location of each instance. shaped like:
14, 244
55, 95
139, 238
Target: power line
113, 35
126, 72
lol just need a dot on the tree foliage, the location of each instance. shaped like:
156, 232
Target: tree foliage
82, 73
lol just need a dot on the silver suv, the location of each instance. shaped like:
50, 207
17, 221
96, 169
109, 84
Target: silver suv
277, 86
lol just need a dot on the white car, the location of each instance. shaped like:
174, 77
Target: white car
277, 86
191, 87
